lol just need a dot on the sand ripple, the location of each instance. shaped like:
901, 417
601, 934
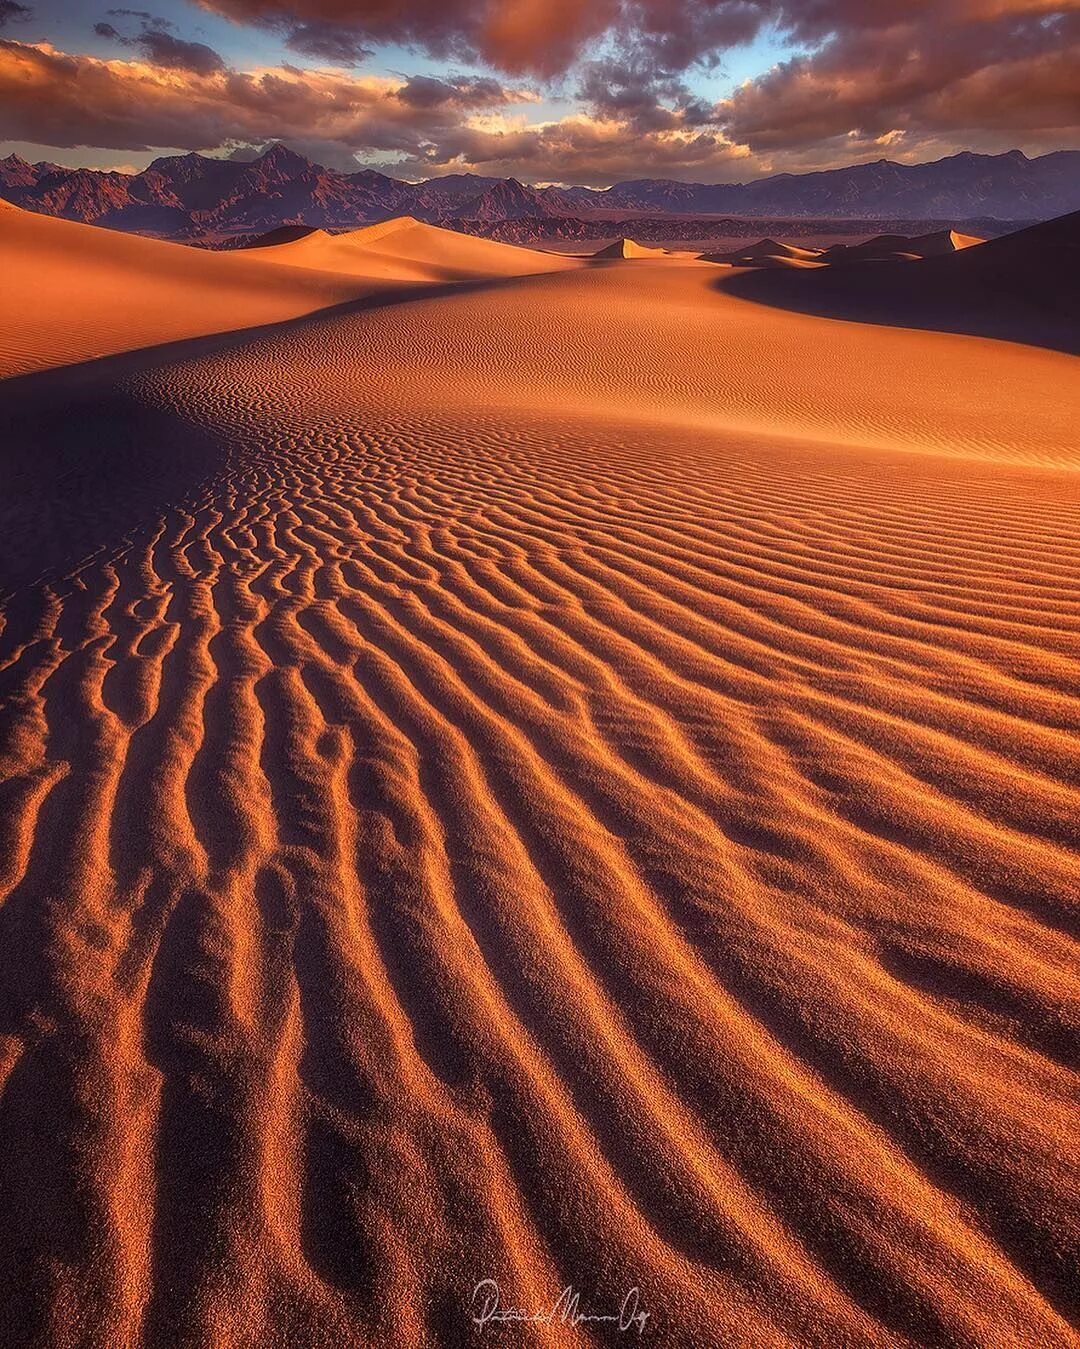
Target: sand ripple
472, 834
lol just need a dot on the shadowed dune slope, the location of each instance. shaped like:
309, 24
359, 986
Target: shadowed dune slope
555, 809
889, 247
1023, 287
766, 253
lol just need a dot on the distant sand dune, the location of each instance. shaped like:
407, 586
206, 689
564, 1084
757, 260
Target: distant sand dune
766, 253
74, 292
572, 782
629, 248
404, 249
1023, 287
891, 247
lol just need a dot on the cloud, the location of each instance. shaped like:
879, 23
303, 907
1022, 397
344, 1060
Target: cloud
910, 79
923, 67
11, 12
171, 53
463, 122
160, 47
577, 149
461, 91
1002, 69
520, 36
334, 43
52, 98
632, 90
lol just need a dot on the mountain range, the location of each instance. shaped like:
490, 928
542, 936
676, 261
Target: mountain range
196, 197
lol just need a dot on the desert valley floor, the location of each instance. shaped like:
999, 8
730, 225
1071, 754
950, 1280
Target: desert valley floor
568, 779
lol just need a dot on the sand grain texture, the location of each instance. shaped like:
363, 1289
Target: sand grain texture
572, 782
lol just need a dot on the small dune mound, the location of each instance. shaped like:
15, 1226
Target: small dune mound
404, 249
630, 248
765, 253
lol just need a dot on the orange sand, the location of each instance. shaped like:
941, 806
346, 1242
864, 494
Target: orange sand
73, 292
571, 782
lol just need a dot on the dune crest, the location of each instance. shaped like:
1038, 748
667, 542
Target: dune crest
629, 248
766, 253
75, 292
900, 247
404, 249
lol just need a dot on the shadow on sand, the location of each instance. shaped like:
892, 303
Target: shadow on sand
87, 460
1023, 287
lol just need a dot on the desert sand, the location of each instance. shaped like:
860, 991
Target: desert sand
881, 248
404, 249
1023, 287
74, 292
569, 780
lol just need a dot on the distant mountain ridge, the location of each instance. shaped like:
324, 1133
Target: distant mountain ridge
193, 196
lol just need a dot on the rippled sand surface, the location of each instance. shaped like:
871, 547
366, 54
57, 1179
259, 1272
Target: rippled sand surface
574, 783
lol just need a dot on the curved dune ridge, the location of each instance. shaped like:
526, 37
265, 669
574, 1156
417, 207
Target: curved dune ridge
74, 292
404, 249
578, 787
901, 247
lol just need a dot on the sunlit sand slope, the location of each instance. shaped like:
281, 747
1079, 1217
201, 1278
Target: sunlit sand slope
73, 292
404, 249
583, 792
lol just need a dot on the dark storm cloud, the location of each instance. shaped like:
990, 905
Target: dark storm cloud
10, 12
635, 92
472, 91
161, 47
172, 53
331, 42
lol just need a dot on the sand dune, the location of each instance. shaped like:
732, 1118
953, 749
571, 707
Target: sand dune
766, 253
1022, 287
629, 248
404, 249
881, 248
74, 292
570, 782
900, 247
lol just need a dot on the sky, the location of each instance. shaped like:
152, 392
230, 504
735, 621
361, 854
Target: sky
566, 91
